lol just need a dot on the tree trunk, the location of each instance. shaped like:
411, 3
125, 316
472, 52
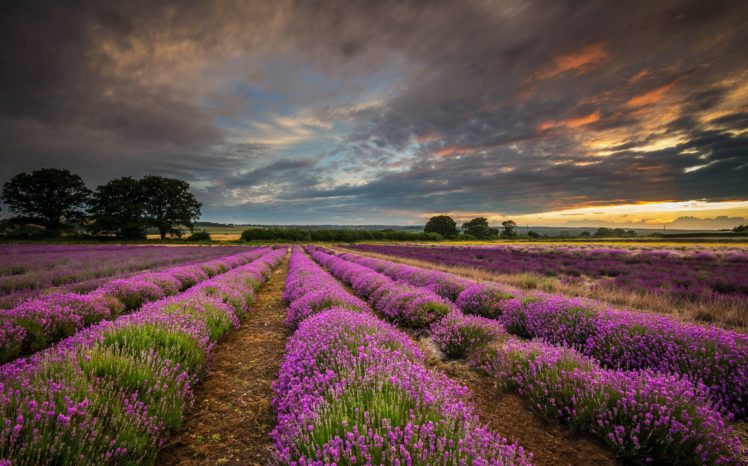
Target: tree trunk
163, 233
54, 227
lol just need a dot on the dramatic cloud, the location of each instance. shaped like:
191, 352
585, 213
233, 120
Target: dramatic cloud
346, 111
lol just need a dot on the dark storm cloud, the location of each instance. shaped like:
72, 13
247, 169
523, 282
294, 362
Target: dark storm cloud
509, 106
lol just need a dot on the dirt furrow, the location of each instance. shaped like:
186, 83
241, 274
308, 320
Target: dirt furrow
507, 413
232, 417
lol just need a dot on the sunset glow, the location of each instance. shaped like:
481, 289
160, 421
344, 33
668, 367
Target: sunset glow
385, 112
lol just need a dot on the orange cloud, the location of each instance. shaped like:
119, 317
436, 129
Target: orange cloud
645, 168
570, 122
429, 137
581, 60
451, 150
638, 77
650, 97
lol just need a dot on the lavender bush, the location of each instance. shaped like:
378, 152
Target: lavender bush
399, 302
716, 357
645, 417
685, 275
111, 393
457, 335
354, 390
27, 270
310, 290
629, 340
39, 322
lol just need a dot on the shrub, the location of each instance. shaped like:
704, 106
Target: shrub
199, 235
458, 334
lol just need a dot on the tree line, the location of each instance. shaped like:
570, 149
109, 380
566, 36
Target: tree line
476, 228
125, 207
333, 234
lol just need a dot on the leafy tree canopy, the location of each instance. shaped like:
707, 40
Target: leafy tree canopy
443, 225
478, 228
168, 204
509, 228
49, 197
117, 207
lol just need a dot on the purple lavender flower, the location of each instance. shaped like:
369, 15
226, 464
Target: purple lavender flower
112, 392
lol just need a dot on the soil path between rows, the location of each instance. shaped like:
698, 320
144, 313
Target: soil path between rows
232, 417
508, 414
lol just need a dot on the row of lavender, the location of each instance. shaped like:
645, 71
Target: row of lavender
28, 270
112, 393
643, 416
618, 339
692, 276
40, 322
355, 390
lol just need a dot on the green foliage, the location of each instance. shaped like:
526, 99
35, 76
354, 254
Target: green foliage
443, 225
478, 228
509, 229
533, 234
48, 197
333, 235
117, 207
168, 204
168, 344
200, 235
614, 232
140, 374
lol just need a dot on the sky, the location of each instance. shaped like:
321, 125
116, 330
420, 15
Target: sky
548, 112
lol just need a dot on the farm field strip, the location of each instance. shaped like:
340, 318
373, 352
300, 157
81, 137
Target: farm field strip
618, 339
643, 416
113, 392
709, 284
354, 389
40, 322
27, 270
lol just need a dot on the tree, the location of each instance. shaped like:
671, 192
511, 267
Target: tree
442, 224
533, 234
117, 207
168, 204
602, 231
509, 228
200, 235
49, 197
478, 227
585, 234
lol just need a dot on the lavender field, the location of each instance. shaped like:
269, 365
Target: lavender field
30, 269
374, 233
385, 362
703, 283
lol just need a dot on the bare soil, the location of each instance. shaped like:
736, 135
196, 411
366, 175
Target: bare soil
506, 413
232, 417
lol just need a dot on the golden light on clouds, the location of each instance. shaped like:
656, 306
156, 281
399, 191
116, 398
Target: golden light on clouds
581, 60
650, 97
452, 150
571, 122
644, 214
